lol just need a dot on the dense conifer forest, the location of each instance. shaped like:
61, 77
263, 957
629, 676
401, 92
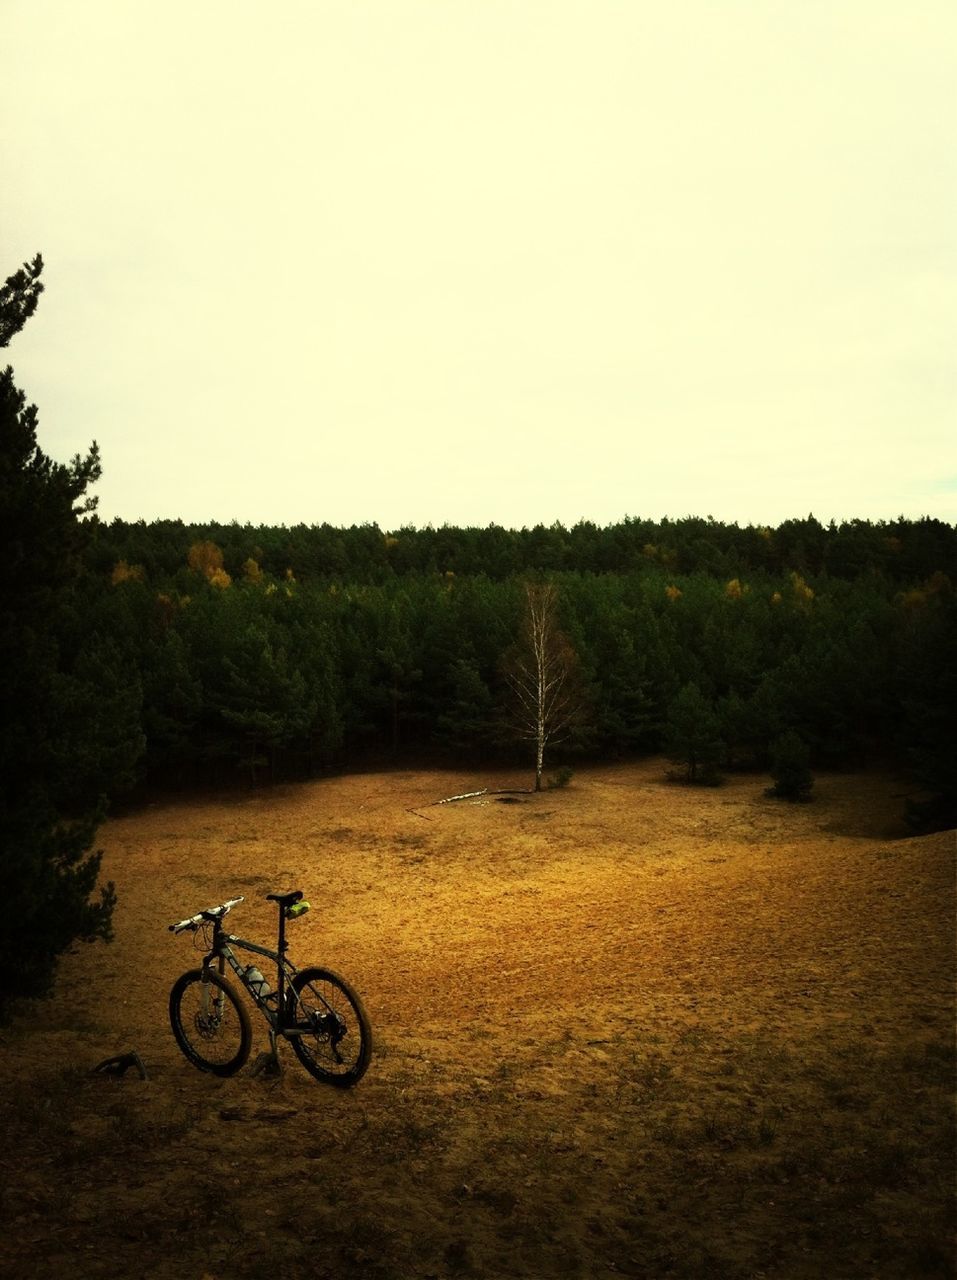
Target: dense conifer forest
266, 653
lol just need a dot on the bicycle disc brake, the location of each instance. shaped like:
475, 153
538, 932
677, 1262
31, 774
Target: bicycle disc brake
332, 1028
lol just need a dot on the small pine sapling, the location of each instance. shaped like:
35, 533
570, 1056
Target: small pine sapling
790, 768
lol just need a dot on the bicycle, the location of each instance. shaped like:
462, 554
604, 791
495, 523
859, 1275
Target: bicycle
314, 1009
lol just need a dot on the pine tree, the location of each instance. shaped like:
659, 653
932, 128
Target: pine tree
18, 299
693, 736
790, 768
465, 725
48, 822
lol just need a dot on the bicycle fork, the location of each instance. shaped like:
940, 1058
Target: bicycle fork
212, 998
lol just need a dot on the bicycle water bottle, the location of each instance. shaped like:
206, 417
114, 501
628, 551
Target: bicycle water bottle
257, 983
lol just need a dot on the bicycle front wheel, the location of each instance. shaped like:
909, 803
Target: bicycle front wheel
209, 1023
337, 1047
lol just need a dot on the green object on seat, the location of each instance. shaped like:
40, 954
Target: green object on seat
297, 909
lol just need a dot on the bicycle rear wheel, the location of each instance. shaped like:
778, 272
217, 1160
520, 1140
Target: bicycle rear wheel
339, 1045
209, 1023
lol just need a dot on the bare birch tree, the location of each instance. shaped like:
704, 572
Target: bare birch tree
542, 674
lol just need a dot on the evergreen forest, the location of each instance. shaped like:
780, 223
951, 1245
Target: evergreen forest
232, 651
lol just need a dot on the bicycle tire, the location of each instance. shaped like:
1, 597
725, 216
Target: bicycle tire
218, 1042
326, 992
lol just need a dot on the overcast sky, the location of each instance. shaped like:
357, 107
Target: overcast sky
476, 261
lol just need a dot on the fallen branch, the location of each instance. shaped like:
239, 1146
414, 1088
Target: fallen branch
473, 795
466, 795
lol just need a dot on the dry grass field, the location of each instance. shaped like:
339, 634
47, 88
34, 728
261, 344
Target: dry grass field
623, 1029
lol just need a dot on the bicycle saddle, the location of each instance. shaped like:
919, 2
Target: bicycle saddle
285, 899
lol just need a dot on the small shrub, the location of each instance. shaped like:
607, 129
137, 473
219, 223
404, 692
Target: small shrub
561, 779
790, 768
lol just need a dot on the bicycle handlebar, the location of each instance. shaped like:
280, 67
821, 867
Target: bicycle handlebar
211, 913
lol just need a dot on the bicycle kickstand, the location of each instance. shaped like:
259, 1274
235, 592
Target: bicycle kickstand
268, 1063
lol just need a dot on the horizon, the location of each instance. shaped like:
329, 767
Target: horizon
566, 527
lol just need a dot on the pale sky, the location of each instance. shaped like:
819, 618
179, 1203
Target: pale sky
489, 261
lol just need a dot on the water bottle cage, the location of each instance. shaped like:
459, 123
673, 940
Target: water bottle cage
257, 983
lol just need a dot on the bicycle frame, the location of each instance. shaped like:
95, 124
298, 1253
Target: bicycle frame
278, 1012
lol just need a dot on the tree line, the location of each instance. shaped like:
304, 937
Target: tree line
904, 551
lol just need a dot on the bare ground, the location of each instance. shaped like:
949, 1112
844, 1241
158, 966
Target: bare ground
627, 1028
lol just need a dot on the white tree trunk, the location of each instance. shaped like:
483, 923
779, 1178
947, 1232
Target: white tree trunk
545, 704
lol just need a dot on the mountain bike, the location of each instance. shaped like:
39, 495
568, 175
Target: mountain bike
314, 1009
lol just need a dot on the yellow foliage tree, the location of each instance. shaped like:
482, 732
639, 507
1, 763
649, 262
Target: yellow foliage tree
123, 572
252, 571
912, 600
205, 558
220, 578
166, 608
802, 592
673, 593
